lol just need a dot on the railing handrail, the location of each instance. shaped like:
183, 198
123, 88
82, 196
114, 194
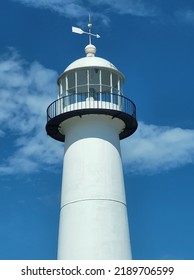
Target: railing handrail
127, 105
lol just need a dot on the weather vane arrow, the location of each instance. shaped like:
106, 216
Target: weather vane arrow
80, 31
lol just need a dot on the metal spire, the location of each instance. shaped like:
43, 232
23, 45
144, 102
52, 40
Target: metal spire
90, 30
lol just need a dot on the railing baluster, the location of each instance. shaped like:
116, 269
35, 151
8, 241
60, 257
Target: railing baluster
111, 101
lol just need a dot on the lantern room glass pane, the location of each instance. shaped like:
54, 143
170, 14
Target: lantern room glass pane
81, 89
114, 80
71, 81
94, 76
82, 81
105, 77
106, 89
94, 81
82, 77
63, 82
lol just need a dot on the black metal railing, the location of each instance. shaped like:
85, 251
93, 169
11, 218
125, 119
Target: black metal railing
88, 100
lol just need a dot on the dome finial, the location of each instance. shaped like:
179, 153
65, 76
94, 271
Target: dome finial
90, 50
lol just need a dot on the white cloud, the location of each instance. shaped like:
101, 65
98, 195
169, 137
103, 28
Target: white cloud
153, 149
73, 8
26, 90
69, 8
99, 8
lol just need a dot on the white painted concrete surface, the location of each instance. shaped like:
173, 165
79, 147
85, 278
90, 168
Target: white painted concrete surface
93, 219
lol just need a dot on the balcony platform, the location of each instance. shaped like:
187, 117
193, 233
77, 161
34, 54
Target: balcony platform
77, 105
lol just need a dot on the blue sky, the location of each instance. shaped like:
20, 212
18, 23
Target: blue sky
151, 43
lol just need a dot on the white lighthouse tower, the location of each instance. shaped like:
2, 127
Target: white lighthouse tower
91, 115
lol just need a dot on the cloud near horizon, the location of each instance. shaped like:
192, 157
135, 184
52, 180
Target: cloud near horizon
154, 149
27, 89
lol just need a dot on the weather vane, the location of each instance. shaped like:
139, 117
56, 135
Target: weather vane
80, 31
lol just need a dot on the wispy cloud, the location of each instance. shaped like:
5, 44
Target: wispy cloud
27, 89
100, 8
76, 9
72, 8
153, 149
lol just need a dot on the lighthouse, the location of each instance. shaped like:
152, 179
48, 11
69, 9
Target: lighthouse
91, 115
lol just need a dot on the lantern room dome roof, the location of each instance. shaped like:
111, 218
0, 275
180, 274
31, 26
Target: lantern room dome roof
91, 61
85, 62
